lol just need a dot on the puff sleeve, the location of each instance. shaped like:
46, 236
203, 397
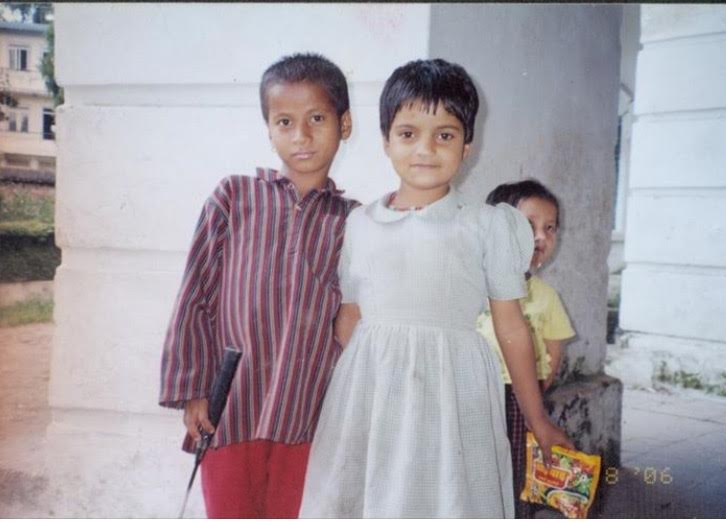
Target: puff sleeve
508, 249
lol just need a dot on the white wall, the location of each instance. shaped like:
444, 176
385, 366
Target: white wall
161, 103
675, 280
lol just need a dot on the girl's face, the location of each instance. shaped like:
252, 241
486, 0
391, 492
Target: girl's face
542, 215
426, 146
304, 128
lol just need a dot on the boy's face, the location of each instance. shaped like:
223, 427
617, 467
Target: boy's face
542, 215
304, 128
426, 147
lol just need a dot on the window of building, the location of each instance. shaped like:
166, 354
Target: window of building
19, 58
18, 120
48, 123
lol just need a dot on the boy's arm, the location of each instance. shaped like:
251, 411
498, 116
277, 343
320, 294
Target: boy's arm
514, 339
554, 349
348, 316
190, 354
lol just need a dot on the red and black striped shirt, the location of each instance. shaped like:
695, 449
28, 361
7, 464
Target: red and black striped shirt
261, 275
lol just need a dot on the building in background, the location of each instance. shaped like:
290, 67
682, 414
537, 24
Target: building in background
27, 140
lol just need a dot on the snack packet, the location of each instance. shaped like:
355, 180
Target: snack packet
569, 484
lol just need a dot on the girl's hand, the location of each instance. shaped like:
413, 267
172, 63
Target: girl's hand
348, 316
196, 418
548, 435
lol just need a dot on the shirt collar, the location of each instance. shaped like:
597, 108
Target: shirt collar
440, 210
273, 176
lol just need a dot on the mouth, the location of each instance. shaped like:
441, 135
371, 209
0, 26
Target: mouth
423, 166
303, 155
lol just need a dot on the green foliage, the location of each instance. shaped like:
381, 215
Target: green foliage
21, 205
47, 67
26, 258
26, 227
34, 310
690, 380
27, 249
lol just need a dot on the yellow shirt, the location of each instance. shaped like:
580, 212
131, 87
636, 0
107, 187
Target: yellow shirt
547, 319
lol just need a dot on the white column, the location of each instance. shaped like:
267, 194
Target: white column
161, 103
675, 245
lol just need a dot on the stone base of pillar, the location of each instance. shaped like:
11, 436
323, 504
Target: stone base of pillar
117, 465
589, 410
649, 361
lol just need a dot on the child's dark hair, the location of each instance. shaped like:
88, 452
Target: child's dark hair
513, 193
307, 67
431, 82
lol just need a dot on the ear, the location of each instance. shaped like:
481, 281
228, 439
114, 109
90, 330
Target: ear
467, 151
346, 125
386, 146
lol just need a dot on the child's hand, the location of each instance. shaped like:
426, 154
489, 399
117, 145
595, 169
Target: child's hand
548, 435
548, 382
196, 418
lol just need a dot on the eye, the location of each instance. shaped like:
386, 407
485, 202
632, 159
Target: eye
318, 118
406, 135
283, 122
446, 136
551, 229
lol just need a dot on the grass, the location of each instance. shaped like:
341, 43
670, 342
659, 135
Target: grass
34, 310
20, 205
26, 227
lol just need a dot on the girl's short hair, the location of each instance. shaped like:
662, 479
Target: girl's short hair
307, 67
430, 82
513, 193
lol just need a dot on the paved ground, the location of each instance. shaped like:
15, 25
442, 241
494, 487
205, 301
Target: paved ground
673, 452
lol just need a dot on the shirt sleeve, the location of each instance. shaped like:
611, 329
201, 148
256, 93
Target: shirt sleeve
348, 284
557, 327
190, 356
508, 249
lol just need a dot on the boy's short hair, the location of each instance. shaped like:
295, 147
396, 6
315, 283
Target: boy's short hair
513, 193
307, 67
431, 82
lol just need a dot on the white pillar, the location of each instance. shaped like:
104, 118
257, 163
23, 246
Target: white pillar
549, 79
161, 103
675, 245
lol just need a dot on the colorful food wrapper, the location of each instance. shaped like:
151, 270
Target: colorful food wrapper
568, 485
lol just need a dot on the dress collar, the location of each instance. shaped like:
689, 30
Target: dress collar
273, 176
440, 210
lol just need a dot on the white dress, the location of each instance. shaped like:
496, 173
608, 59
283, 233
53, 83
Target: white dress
413, 421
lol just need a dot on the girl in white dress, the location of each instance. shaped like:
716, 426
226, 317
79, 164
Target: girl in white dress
413, 420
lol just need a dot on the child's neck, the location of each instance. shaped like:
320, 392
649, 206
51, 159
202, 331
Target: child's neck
408, 197
304, 183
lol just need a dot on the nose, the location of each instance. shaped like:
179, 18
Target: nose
425, 146
302, 133
539, 234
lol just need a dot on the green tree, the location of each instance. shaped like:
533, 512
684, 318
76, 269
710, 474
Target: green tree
47, 67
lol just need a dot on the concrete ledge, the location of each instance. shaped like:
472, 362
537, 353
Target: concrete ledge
649, 360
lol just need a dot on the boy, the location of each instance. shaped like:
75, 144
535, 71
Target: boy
261, 276
542, 308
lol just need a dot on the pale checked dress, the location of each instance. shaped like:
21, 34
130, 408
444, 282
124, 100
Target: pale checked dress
413, 421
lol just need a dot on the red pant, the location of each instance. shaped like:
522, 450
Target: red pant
257, 479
